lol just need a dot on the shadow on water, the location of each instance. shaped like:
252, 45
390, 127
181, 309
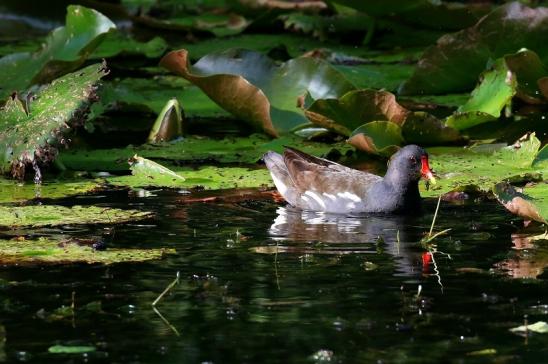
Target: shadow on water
265, 283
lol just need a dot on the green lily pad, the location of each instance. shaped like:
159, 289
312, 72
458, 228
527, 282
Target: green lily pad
377, 137
117, 44
64, 50
454, 63
460, 168
325, 27
207, 177
50, 251
13, 191
532, 204
52, 215
359, 107
30, 135
253, 88
158, 175
356, 108
495, 91
193, 150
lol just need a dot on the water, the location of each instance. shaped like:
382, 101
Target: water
261, 283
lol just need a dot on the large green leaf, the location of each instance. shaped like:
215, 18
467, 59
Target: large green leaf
194, 150
64, 50
255, 89
480, 168
455, 62
53, 215
31, 134
354, 109
495, 91
206, 177
47, 251
14, 191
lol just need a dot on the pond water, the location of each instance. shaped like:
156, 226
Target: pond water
262, 283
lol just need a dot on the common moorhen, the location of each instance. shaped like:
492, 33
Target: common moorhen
317, 184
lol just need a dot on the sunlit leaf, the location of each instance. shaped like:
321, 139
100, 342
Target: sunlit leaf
31, 133
64, 50
252, 87
53, 215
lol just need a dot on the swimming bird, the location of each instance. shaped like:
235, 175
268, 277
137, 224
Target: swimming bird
317, 184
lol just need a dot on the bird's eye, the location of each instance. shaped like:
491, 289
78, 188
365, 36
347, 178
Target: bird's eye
413, 160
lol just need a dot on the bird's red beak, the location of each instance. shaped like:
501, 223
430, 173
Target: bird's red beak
426, 172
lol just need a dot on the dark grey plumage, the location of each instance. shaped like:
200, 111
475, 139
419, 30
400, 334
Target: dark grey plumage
312, 183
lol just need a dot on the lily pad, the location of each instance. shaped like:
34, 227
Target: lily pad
13, 191
64, 50
50, 251
53, 215
482, 168
158, 175
207, 177
193, 150
31, 134
528, 68
454, 63
523, 204
377, 137
495, 91
253, 88
356, 108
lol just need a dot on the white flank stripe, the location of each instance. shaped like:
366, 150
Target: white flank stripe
316, 198
349, 196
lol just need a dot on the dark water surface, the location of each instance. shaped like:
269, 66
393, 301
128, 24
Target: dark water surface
260, 283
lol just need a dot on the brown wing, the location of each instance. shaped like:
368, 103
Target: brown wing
311, 173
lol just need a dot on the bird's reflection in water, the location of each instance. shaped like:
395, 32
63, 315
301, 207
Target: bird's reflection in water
308, 232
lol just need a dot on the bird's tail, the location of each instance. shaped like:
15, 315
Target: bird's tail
280, 175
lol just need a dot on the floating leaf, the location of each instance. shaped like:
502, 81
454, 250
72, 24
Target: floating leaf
158, 175
539, 327
454, 63
30, 134
495, 91
194, 149
253, 88
207, 177
356, 108
12, 191
51, 251
64, 50
377, 137
53, 215
482, 168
